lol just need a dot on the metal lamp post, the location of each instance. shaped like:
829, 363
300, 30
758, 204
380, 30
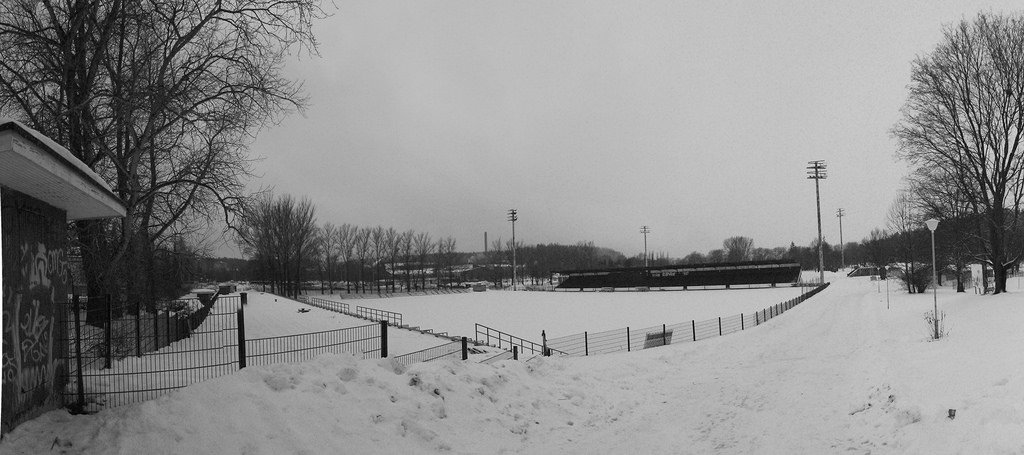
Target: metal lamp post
513, 216
645, 230
842, 255
932, 224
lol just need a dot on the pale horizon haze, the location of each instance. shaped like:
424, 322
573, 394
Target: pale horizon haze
595, 118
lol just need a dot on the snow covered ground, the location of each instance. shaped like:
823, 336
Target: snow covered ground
839, 373
526, 314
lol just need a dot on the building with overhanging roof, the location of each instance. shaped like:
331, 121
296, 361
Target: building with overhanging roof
42, 187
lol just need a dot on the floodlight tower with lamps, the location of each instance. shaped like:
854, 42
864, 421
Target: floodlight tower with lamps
842, 255
816, 171
932, 225
645, 230
513, 216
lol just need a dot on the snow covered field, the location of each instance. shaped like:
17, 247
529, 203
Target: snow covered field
839, 373
526, 314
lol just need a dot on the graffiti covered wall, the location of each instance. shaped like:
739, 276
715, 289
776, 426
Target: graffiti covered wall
35, 278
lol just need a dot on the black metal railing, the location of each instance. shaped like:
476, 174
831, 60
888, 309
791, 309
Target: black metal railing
363, 340
375, 314
452, 350
135, 355
504, 355
330, 305
497, 338
630, 339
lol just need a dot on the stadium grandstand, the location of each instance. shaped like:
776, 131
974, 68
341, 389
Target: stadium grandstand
723, 274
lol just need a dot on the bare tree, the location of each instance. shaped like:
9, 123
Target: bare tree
738, 248
964, 116
424, 246
496, 256
361, 242
345, 238
937, 196
160, 97
281, 233
392, 250
378, 250
328, 254
905, 224
877, 249
406, 247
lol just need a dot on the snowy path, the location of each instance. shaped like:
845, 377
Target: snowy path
837, 374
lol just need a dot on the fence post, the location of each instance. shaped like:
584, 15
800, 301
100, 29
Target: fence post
515, 352
78, 354
757, 319
240, 314
693, 329
742, 322
628, 347
168, 320
383, 339
156, 327
586, 344
544, 343
138, 328
108, 335
465, 348
664, 336
719, 326
245, 298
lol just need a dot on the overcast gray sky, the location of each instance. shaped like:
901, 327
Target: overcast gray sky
593, 118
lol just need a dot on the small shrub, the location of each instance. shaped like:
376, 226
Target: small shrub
929, 317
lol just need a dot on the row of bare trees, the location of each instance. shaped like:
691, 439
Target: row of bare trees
364, 255
280, 235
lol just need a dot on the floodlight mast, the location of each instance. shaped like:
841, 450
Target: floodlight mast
817, 171
645, 230
513, 216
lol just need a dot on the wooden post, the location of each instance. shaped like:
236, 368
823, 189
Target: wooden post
719, 326
693, 329
742, 322
664, 336
544, 344
465, 348
586, 344
515, 352
628, 347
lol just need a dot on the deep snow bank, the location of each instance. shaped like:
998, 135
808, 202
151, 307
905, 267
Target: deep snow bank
839, 373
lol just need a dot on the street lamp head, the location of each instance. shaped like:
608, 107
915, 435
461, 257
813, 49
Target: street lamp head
932, 224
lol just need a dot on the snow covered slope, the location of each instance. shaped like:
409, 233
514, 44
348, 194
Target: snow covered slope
838, 373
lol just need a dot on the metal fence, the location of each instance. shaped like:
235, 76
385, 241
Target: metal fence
133, 355
371, 314
497, 338
120, 360
330, 305
630, 339
452, 350
504, 355
375, 314
363, 340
